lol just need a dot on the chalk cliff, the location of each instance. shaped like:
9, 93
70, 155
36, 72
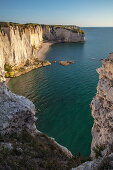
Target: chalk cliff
60, 34
18, 44
102, 112
17, 125
21, 42
21, 144
102, 106
17, 114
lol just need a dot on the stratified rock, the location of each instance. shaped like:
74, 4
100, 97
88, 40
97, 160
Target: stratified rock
20, 44
102, 106
16, 113
102, 112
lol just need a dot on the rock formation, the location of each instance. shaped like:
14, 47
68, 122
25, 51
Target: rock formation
21, 143
63, 34
17, 114
102, 106
66, 63
102, 112
21, 42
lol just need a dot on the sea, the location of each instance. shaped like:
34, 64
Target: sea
62, 94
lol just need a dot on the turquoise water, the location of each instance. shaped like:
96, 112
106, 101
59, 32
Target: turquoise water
62, 94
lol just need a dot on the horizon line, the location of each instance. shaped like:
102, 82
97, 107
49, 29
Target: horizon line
59, 24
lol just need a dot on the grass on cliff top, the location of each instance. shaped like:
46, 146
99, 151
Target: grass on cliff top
72, 28
39, 152
9, 24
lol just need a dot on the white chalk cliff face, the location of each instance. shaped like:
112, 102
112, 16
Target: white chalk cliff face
62, 35
102, 112
18, 44
17, 114
102, 106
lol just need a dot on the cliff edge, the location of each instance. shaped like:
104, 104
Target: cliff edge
102, 112
22, 146
20, 42
102, 106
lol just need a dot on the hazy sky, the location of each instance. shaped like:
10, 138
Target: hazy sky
75, 12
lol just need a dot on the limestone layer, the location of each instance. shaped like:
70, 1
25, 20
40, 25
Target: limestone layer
17, 44
17, 114
102, 112
102, 106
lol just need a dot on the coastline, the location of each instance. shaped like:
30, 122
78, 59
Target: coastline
40, 56
40, 59
44, 48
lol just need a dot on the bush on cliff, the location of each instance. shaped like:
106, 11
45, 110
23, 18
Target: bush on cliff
8, 68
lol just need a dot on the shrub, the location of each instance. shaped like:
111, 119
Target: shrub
11, 74
8, 68
7, 75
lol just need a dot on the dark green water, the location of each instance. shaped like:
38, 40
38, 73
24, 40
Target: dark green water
62, 94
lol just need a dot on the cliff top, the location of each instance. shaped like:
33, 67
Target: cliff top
72, 28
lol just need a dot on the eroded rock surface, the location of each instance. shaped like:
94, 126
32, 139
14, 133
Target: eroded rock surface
102, 112
17, 44
102, 106
16, 113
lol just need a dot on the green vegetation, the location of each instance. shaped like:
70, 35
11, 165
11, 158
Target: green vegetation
98, 149
7, 75
38, 152
72, 28
9, 24
10, 71
8, 68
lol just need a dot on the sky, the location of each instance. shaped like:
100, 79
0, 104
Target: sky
84, 13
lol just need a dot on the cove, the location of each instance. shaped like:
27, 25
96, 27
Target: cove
62, 95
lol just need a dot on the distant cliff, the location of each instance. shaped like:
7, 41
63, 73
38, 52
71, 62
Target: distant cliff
19, 42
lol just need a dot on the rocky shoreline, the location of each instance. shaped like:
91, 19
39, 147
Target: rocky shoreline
18, 131
21, 144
